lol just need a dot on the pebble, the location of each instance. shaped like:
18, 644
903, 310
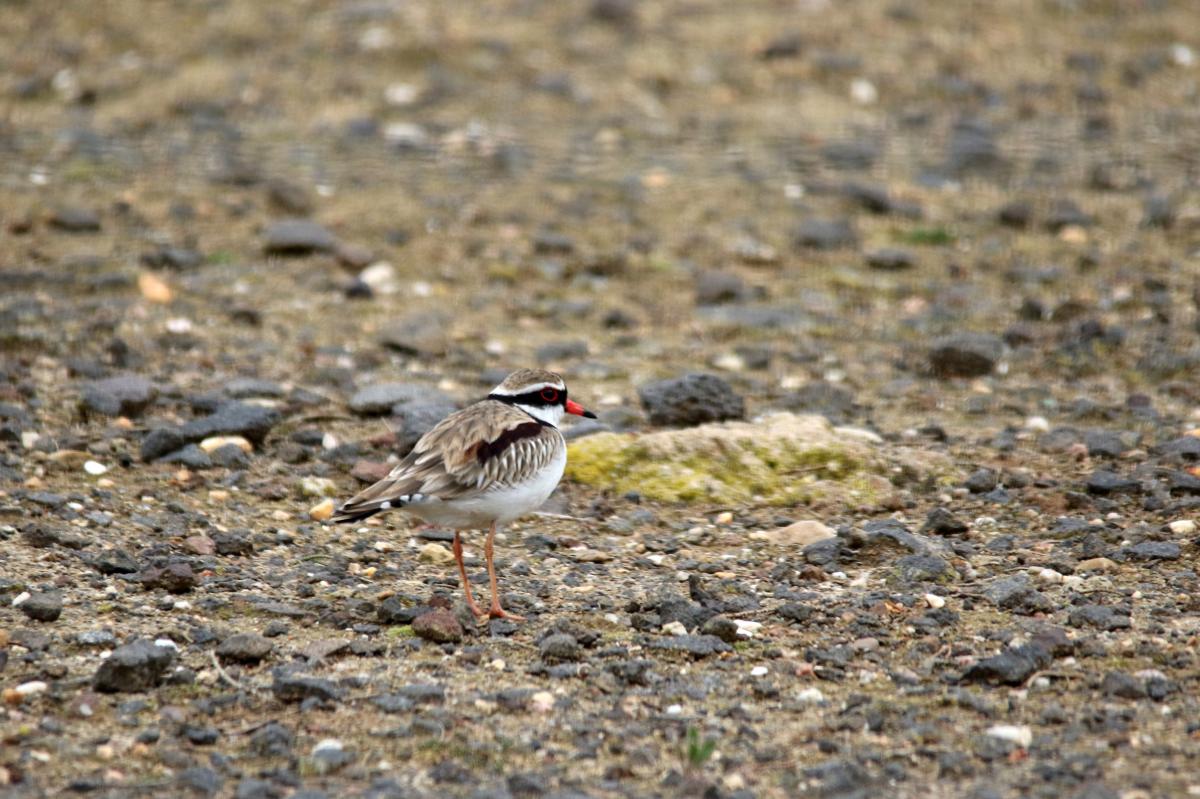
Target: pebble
94, 468
438, 625
798, 534
244, 648
436, 554
1020, 734
42, 606
322, 510
1182, 527
965, 355
290, 237
136, 666
810, 696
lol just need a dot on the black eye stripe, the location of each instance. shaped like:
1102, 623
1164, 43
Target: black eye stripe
533, 398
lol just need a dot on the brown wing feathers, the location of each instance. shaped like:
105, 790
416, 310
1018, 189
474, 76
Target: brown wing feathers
467, 451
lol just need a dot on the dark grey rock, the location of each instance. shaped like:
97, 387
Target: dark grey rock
560, 647
1017, 593
123, 395
1104, 483
43, 606
698, 646
1101, 617
972, 151
379, 398
981, 481
922, 569
965, 355
691, 400
136, 666
393, 703
715, 286
74, 219
1153, 550
1015, 214
825, 234
393, 611
229, 456
177, 258
190, 456
297, 237
891, 259
96, 638
161, 441
199, 780
418, 334
273, 740
1125, 686
1066, 213
1158, 211
722, 627
244, 648
114, 561
1104, 444
253, 422
941, 521
297, 688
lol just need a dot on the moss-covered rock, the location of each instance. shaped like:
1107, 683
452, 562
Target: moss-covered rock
782, 459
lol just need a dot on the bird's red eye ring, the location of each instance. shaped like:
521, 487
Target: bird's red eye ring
550, 394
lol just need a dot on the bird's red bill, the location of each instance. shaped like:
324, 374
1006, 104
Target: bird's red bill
577, 409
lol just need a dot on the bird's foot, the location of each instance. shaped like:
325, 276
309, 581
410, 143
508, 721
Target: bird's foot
476, 611
497, 612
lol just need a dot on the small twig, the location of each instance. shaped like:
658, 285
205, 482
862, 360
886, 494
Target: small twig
224, 675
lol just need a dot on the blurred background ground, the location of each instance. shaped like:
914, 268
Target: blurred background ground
971, 229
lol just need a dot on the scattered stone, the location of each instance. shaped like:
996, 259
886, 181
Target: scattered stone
176, 577
698, 646
288, 237
891, 259
136, 666
965, 355
691, 400
1105, 483
941, 521
43, 606
244, 648
1101, 617
436, 554
297, 688
74, 219
114, 561
798, 534
1017, 593
981, 481
379, 398
1153, 550
559, 647
825, 234
438, 625
124, 395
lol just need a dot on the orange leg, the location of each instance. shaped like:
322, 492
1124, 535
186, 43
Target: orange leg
462, 573
495, 611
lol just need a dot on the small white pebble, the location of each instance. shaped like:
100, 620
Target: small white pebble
328, 745
1039, 424
674, 710
542, 701
498, 664
1049, 576
674, 628
656, 559
94, 468
1182, 527
1073, 581
935, 601
32, 687
167, 642
179, 325
21, 599
330, 441
29, 438
612, 618
810, 696
747, 629
759, 671
1182, 55
863, 92
1019, 734
182, 604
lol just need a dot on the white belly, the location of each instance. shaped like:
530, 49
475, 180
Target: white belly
500, 505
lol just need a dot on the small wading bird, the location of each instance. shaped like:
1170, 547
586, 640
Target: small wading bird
487, 464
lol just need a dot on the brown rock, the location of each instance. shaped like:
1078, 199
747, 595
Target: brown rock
370, 471
438, 625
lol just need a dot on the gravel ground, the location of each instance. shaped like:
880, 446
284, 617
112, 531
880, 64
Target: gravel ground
251, 251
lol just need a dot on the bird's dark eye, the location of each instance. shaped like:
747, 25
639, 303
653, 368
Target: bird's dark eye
550, 394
